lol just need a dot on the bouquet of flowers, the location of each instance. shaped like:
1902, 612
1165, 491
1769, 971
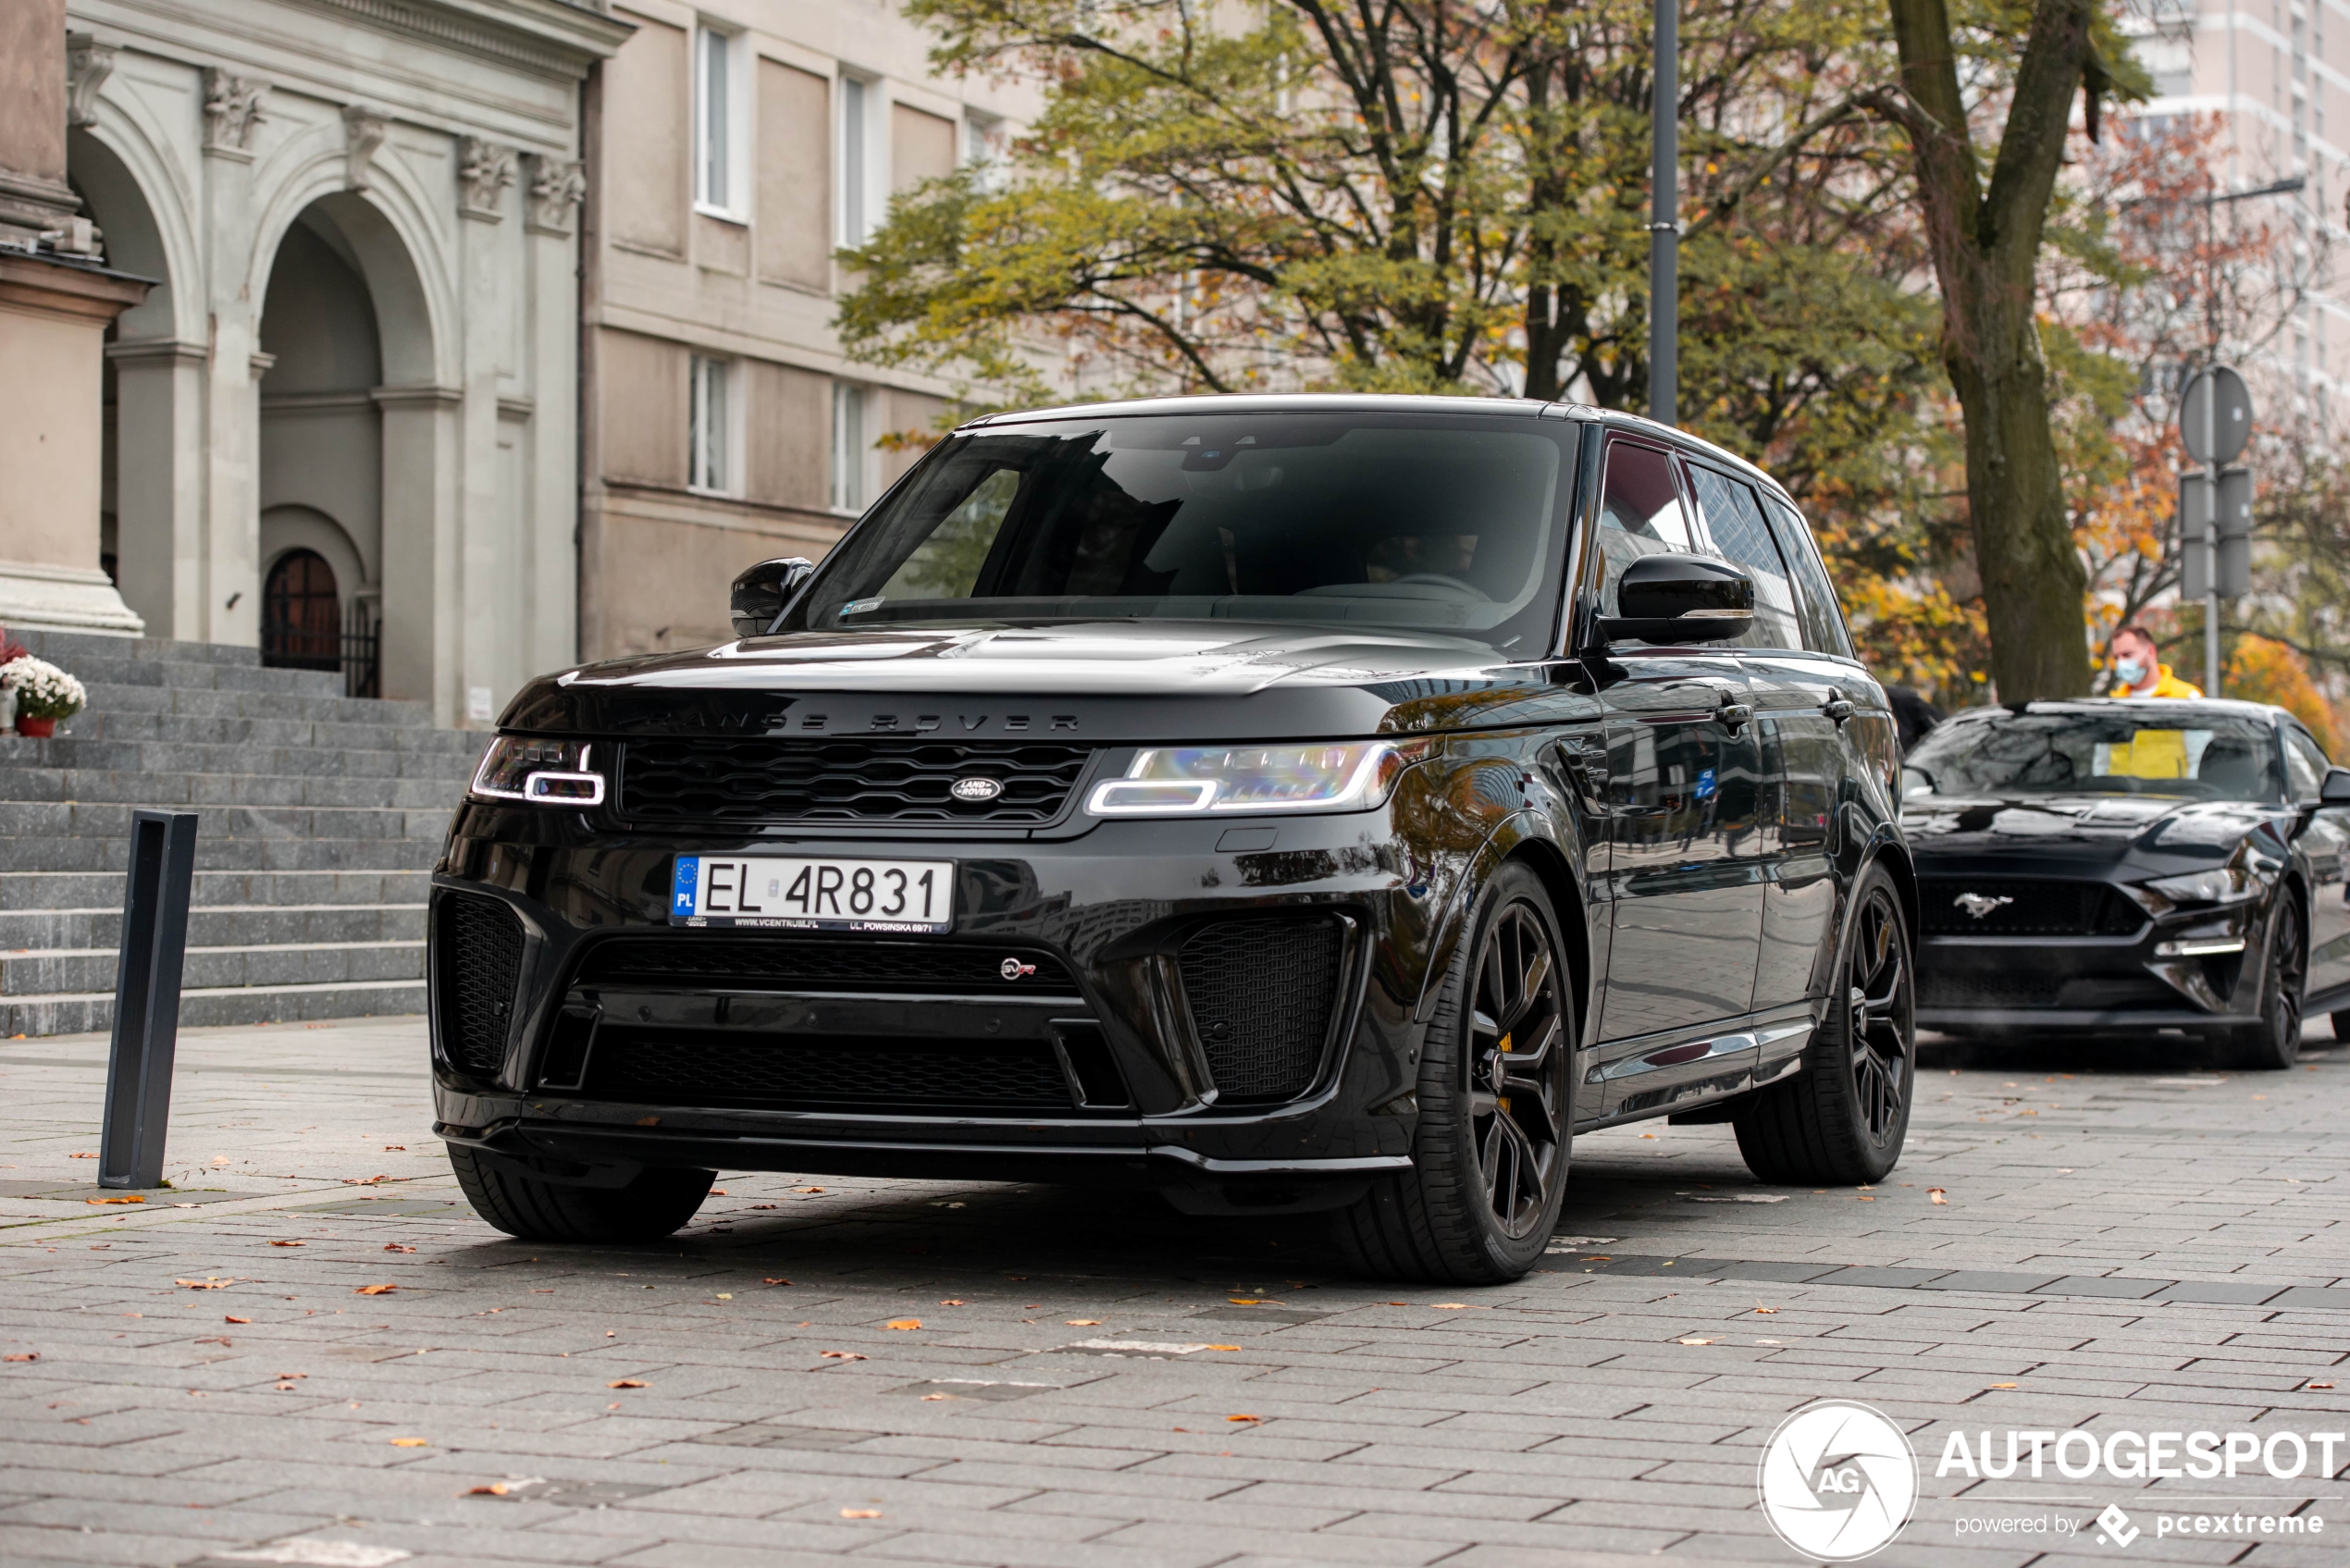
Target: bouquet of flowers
43, 691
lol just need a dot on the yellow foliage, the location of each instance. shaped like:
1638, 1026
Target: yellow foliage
2263, 670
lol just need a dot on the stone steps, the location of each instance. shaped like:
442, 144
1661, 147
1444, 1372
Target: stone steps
321, 816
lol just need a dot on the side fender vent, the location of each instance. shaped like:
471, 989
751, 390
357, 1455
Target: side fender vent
1260, 992
477, 962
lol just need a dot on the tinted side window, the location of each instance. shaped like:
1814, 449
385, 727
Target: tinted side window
1734, 520
2305, 765
1823, 625
1639, 513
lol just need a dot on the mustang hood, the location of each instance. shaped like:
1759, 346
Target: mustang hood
2080, 828
1103, 680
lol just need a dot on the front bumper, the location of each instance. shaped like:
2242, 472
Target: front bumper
2102, 983
1111, 910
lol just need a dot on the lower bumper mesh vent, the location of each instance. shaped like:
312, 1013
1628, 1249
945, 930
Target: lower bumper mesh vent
815, 1073
1260, 992
477, 960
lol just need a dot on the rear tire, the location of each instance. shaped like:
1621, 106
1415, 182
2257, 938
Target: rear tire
2273, 1045
1841, 1119
1496, 1108
646, 1209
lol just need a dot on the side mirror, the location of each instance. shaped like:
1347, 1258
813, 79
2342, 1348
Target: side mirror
1675, 597
762, 593
2335, 790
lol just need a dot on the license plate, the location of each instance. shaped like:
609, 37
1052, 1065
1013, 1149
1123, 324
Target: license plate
792, 893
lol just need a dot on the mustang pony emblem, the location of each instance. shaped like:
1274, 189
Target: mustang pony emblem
1978, 905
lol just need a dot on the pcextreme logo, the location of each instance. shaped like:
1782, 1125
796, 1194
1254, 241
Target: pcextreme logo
1838, 1481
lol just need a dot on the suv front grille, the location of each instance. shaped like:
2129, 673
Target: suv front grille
845, 779
826, 1073
1260, 992
2034, 908
476, 958
700, 959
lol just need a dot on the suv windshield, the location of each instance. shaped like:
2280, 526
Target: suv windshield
1423, 522
2156, 749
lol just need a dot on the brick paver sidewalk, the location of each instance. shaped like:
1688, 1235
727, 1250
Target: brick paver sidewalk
904, 1372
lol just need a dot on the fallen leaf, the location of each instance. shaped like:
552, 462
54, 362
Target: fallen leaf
410, 1443
235, 1319
1862, 1197
35, 1355
762, 1205
1244, 1301
217, 1159
719, 1192
1766, 1310
1223, 1346
205, 1284
2313, 1385
1460, 1307
395, 1148
1697, 1341
808, 1188
938, 1395
778, 1282
132, 1198
396, 1247
840, 1355
725, 1295
903, 1322
1937, 1195
1243, 1418
860, 1514
288, 1243
2003, 1385
1648, 1135
626, 1383
88, 1157
1082, 1322
495, 1488
374, 1290
952, 1300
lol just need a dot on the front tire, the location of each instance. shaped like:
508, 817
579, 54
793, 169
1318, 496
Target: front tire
646, 1209
2274, 1044
1496, 1109
1840, 1120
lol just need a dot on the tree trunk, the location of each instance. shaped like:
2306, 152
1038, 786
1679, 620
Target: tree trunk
1985, 244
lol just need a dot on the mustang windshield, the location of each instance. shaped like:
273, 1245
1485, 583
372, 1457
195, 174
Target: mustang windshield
2154, 749
1444, 523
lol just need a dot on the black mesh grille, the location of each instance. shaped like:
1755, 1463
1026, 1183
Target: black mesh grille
844, 780
2032, 908
824, 1073
701, 958
476, 958
1937, 989
1260, 992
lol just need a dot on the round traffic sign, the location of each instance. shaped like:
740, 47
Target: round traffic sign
2215, 415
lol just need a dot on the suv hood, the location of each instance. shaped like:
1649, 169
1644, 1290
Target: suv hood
1102, 680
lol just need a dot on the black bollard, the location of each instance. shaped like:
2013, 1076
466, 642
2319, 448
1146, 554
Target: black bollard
147, 998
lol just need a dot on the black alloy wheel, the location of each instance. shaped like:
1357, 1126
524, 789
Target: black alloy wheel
2274, 1044
1496, 1111
1841, 1119
1517, 1083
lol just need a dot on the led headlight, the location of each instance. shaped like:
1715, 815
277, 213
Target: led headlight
1291, 776
545, 772
2230, 883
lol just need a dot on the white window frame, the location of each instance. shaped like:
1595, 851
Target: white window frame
861, 157
986, 142
854, 465
730, 197
714, 427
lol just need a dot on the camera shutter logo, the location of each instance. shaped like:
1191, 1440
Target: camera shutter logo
1838, 1481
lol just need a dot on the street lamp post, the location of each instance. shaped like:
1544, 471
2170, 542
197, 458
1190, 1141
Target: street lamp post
1665, 229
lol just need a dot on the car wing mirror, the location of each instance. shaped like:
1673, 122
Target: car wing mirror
764, 592
2335, 790
1677, 596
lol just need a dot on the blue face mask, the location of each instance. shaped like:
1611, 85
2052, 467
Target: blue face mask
2130, 672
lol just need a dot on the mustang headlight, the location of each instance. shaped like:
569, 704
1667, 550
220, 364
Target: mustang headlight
1182, 781
545, 772
2231, 883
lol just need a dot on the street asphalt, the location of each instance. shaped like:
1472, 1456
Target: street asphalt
308, 1351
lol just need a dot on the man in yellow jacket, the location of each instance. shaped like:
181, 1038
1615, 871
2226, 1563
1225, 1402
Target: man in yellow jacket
2137, 672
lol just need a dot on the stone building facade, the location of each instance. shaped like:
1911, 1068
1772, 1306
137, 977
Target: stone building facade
733, 149
342, 423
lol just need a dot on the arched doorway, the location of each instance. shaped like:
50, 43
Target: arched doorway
301, 613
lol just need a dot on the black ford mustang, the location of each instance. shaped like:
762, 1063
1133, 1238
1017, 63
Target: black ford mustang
2132, 865
1320, 803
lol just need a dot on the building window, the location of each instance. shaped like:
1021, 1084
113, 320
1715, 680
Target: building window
855, 115
719, 141
983, 150
709, 438
850, 448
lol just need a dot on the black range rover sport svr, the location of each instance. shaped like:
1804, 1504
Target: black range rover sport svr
1320, 803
